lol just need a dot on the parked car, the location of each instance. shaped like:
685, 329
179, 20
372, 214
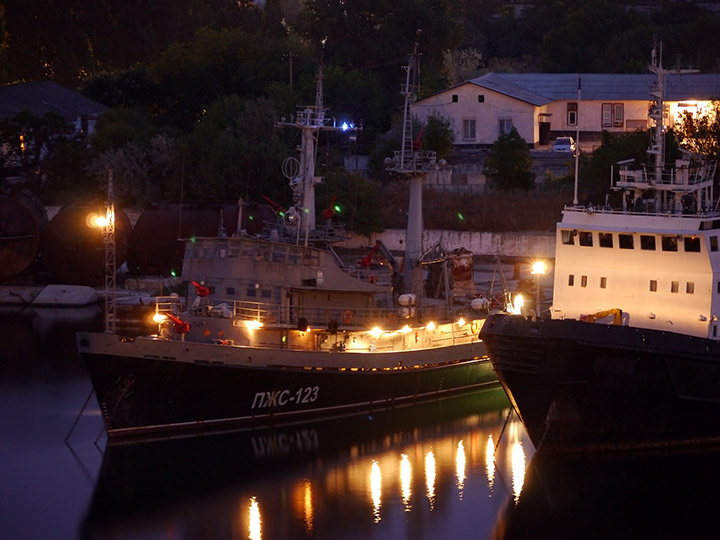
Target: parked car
563, 144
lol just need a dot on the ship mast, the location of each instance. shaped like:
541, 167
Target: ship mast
657, 146
311, 120
414, 164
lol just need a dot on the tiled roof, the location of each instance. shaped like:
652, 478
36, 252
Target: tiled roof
44, 96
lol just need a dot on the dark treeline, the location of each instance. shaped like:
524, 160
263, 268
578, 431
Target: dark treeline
195, 86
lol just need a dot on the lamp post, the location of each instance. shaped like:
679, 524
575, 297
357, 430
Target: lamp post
538, 268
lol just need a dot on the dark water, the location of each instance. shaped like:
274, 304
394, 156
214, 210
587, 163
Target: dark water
435, 471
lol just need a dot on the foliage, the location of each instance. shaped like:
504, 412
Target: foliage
139, 172
356, 197
701, 133
438, 135
509, 164
594, 172
234, 151
459, 66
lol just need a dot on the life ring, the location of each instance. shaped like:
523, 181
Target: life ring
475, 327
347, 316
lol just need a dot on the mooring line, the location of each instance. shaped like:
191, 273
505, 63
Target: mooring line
82, 410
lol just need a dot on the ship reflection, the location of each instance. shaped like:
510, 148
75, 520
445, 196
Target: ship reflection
641, 495
320, 480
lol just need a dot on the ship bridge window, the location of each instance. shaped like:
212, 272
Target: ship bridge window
605, 239
571, 281
692, 243
653, 285
585, 238
690, 287
568, 237
669, 243
603, 282
583, 281
647, 242
713, 243
674, 286
625, 241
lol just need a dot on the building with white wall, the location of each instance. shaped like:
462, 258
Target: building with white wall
542, 106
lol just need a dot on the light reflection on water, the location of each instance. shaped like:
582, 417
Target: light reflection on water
364, 492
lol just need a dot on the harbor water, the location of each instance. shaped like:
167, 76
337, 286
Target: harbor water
459, 468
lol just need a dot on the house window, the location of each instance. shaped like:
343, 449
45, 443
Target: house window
469, 129
653, 285
454, 98
572, 114
618, 115
613, 114
625, 241
481, 98
607, 114
505, 125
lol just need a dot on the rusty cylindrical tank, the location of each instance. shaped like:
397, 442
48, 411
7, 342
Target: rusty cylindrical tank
73, 250
22, 222
157, 244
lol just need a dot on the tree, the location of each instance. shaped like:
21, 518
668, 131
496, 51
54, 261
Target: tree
701, 132
509, 164
438, 136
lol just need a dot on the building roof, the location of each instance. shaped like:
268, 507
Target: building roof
45, 96
542, 88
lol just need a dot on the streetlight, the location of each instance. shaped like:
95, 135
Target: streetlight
538, 268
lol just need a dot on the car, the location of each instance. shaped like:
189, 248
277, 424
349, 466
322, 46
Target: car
563, 144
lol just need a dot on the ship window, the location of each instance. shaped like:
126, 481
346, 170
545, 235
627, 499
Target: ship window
603, 282
692, 243
250, 292
713, 243
653, 285
585, 238
674, 286
605, 239
647, 242
568, 237
625, 241
583, 281
718, 287
230, 291
690, 287
669, 243
571, 281
714, 330
265, 293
